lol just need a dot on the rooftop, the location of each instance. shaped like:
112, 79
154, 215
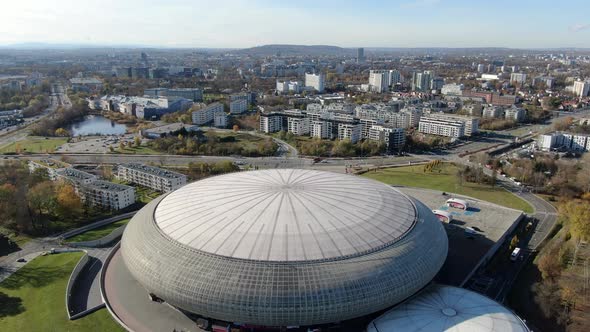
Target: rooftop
153, 170
286, 215
105, 185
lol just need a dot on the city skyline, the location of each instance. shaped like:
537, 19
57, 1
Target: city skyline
242, 24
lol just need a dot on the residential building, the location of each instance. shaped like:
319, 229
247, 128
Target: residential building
315, 81
220, 119
321, 129
379, 81
76, 177
422, 81
518, 78
86, 84
238, 106
51, 166
207, 114
107, 195
564, 142
395, 77
437, 83
193, 94
581, 88
349, 131
394, 138
151, 177
437, 126
298, 126
366, 125
448, 125
271, 122
289, 86
515, 113
492, 112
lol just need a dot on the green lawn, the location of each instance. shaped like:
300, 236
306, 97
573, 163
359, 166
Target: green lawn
97, 233
146, 195
19, 239
35, 144
414, 176
33, 299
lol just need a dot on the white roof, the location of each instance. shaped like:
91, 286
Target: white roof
286, 215
451, 309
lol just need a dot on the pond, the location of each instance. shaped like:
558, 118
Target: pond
97, 125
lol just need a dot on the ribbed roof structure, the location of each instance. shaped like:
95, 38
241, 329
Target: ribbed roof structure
286, 215
449, 309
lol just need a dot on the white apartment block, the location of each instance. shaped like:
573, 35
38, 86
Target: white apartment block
379, 81
51, 166
366, 125
107, 195
271, 123
289, 86
220, 119
321, 129
518, 78
76, 177
452, 89
581, 88
298, 126
238, 106
349, 131
315, 81
435, 126
515, 113
151, 177
564, 141
206, 115
492, 112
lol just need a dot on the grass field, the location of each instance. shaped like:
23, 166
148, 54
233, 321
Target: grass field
19, 239
97, 233
414, 176
34, 145
32, 299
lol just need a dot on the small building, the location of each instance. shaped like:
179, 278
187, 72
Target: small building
86, 84
163, 131
220, 119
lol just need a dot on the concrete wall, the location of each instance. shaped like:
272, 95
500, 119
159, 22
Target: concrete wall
494, 248
72, 281
103, 241
102, 291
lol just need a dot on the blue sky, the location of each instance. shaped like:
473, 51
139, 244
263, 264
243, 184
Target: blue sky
246, 23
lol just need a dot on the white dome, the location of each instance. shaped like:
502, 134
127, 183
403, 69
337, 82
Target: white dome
450, 309
286, 215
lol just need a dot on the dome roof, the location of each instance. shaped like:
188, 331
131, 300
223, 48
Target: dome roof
451, 309
286, 215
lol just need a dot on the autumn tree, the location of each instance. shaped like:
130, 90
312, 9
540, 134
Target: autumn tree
41, 203
62, 132
69, 203
137, 141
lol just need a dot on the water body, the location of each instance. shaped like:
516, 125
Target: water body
97, 125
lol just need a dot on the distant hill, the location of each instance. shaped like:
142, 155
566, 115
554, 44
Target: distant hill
313, 50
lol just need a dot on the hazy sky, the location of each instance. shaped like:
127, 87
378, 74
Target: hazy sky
245, 23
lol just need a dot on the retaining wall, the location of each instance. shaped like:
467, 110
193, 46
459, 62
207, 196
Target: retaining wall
73, 276
97, 225
103, 241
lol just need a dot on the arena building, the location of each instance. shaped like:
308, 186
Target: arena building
284, 247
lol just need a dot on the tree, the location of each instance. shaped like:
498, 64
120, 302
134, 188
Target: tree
236, 128
513, 242
68, 201
121, 145
41, 202
577, 216
62, 132
549, 266
137, 141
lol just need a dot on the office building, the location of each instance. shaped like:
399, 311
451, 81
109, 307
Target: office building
518, 78
360, 55
379, 81
151, 177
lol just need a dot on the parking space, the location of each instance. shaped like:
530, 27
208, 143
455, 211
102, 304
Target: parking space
487, 223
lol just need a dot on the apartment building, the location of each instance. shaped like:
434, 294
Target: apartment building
151, 177
351, 131
492, 112
379, 81
452, 89
515, 113
75, 177
564, 141
581, 88
315, 81
441, 127
238, 106
394, 138
271, 122
298, 126
366, 125
51, 166
206, 115
289, 86
220, 119
518, 78
321, 129
107, 195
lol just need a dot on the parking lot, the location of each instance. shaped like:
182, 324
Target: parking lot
95, 144
489, 221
